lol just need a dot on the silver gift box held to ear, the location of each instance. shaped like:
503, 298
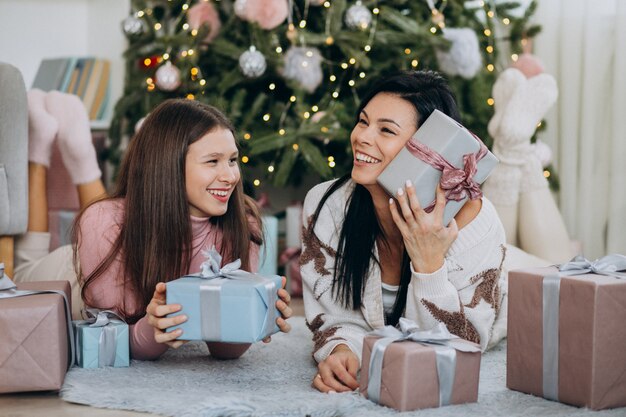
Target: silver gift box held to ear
451, 140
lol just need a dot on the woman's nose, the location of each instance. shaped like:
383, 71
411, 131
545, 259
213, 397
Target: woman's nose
228, 174
364, 136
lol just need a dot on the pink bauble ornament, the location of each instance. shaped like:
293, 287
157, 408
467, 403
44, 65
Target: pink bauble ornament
528, 64
167, 77
204, 13
269, 14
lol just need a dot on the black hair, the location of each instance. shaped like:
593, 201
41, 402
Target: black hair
426, 91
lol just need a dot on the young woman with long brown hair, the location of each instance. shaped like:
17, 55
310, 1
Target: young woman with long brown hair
178, 193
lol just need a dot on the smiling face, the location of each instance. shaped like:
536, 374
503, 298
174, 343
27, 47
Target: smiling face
211, 173
385, 125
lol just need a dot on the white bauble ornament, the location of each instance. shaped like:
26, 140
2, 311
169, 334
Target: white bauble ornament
252, 63
304, 65
140, 123
543, 152
358, 16
463, 58
132, 25
167, 77
241, 9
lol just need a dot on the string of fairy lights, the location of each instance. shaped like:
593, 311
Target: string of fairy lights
338, 72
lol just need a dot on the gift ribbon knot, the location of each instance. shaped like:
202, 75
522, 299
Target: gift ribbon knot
457, 183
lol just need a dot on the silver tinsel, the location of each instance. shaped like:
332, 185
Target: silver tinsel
252, 63
132, 25
167, 77
304, 65
358, 16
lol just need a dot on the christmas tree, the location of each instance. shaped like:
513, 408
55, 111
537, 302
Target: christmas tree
290, 73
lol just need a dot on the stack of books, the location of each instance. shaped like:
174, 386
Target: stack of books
88, 78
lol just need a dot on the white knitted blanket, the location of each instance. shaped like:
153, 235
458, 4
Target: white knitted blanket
274, 380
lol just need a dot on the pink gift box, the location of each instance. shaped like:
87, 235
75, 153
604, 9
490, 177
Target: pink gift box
34, 349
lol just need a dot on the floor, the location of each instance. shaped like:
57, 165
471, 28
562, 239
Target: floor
50, 405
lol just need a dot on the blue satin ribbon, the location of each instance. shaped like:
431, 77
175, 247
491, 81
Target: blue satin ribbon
9, 290
439, 338
216, 276
609, 266
107, 343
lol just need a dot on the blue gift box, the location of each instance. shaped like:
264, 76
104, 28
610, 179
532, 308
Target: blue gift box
226, 305
99, 345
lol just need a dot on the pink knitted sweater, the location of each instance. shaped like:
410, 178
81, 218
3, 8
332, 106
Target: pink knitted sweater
99, 227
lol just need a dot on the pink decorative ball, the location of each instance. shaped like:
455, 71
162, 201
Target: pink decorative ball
204, 13
267, 13
528, 64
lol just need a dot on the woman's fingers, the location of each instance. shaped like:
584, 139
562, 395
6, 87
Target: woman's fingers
414, 203
397, 217
283, 325
346, 378
284, 309
318, 383
164, 337
440, 203
329, 379
405, 208
164, 310
167, 322
284, 295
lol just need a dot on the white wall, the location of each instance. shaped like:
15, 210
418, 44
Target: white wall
31, 30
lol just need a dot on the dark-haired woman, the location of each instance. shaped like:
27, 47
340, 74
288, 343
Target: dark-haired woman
369, 259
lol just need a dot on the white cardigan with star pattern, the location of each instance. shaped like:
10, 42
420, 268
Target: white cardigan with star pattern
466, 293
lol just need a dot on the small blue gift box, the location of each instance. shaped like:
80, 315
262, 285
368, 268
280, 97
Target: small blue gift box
101, 340
225, 304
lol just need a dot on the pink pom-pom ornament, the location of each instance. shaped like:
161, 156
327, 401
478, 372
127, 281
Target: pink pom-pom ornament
528, 64
204, 13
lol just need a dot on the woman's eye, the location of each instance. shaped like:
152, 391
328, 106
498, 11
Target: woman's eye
212, 161
362, 121
232, 161
385, 130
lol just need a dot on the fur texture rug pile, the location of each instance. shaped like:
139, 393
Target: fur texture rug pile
275, 380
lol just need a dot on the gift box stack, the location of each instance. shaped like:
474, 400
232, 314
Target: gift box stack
37, 347
225, 304
409, 369
566, 332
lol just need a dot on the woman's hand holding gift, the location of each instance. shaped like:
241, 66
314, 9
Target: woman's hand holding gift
426, 239
285, 310
157, 311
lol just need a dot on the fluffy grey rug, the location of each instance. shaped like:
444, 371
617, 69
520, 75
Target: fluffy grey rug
274, 380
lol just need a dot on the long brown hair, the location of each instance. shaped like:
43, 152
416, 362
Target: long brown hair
154, 243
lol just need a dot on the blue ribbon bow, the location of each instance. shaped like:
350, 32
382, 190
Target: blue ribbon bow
445, 344
608, 265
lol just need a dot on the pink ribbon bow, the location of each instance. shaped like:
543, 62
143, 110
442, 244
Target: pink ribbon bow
455, 182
